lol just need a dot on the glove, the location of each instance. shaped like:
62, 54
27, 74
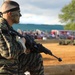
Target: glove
22, 40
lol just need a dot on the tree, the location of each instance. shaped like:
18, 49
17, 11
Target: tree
67, 16
69, 26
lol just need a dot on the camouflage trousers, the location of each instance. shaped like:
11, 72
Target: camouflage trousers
32, 62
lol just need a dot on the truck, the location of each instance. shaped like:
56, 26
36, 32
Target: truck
65, 37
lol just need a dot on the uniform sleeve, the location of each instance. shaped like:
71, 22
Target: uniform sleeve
9, 47
3, 47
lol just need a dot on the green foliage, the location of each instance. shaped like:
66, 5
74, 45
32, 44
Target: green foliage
68, 16
69, 26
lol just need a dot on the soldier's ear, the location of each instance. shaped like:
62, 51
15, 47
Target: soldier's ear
9, 13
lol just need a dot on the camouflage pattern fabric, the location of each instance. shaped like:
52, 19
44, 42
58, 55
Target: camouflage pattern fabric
13, 60
10, 50
31, 62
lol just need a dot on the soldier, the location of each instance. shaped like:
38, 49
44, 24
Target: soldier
13, 57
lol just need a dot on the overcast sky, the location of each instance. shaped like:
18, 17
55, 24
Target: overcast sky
41, 11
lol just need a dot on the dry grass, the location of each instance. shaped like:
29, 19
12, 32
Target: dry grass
53, 66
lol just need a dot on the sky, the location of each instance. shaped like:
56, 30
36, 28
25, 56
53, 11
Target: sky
41, 11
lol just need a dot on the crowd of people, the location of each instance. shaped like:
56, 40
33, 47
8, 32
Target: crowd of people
38, 34
44, 35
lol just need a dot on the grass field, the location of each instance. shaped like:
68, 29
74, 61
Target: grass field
53, 66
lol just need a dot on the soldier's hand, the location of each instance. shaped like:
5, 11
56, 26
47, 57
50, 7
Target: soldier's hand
22, 40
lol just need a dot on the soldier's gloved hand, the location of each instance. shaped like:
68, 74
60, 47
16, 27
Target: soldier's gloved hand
22, 40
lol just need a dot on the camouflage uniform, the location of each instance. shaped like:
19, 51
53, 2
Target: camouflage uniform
13, 60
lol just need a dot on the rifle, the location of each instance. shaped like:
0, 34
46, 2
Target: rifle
32, 45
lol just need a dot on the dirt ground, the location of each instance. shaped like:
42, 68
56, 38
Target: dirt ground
52, 66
